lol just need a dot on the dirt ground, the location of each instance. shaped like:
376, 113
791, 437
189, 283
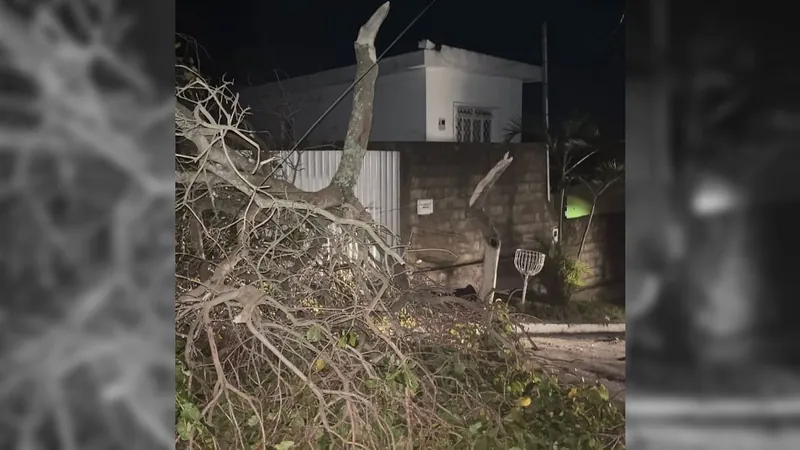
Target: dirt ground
576, 358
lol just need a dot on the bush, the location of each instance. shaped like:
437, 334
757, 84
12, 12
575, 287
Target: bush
561, 275
318, 368
480, 403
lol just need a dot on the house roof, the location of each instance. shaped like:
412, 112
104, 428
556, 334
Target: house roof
429, 55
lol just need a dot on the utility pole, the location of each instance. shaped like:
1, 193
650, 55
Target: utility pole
545, 100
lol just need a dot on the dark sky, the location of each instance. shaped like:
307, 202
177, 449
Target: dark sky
251, 39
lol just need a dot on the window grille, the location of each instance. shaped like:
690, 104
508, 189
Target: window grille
473, 124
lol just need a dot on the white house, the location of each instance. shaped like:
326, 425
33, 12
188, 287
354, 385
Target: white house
432, 94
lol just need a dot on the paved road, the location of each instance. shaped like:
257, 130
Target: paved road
666, 423
584, 357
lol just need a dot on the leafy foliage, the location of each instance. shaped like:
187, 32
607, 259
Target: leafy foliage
562, 275
519, 408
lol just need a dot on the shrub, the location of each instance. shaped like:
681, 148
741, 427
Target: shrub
561, 274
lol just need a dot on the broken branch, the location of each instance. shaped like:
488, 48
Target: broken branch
491, 237
360, 125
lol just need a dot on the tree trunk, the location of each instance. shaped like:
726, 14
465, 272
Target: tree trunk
251, 178
342, 187
492, 243
360, 124
491, 260
561, 204
586, 231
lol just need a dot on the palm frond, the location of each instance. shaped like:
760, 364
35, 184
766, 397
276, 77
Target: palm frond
513, 129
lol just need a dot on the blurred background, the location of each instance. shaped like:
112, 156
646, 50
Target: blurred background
712, 117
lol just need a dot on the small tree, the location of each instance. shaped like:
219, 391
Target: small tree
569, 146
603, 177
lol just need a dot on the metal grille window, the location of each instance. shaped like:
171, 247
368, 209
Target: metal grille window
473, 124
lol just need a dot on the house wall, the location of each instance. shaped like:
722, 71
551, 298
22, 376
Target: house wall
448, 87
447, 244
398, 114
408, 104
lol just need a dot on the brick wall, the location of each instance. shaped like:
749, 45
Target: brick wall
604, 251
449, 241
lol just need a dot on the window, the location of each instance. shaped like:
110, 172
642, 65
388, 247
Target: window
473, 124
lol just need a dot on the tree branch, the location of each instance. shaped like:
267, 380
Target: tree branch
481, 190
248, 177
234, 164
360, 125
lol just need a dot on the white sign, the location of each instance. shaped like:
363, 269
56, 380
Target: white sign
424, 206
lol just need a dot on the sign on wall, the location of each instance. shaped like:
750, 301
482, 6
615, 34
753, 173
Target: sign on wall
424, 207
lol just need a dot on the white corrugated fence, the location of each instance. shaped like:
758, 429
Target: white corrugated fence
378, 186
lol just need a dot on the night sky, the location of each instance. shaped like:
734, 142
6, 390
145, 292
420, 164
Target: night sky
251, 40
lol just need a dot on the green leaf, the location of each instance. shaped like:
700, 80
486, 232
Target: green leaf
475, 428
411, 380
189, 411
252, 421
352, 340
602, 391
185, 429
314, 333
458, 368
284, 445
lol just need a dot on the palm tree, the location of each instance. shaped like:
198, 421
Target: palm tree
568, 146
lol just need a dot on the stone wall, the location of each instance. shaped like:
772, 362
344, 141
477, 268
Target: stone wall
447, 244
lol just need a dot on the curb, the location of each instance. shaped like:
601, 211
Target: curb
567, 328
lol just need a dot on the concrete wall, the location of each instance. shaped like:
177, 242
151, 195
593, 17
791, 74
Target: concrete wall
448, 87
446, 244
